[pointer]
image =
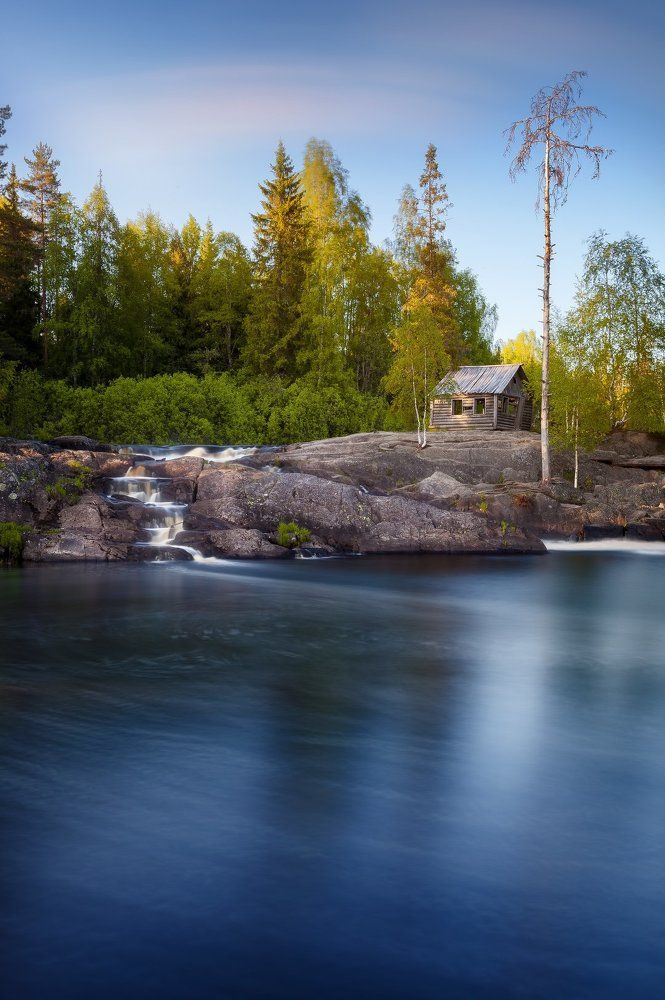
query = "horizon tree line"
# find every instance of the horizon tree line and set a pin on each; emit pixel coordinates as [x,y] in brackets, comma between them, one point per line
[87,299]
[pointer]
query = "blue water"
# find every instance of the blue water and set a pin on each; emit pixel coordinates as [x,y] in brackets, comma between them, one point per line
[388,777]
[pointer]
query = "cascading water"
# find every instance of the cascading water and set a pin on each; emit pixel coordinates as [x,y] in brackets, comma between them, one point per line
[166,517]
[210,453]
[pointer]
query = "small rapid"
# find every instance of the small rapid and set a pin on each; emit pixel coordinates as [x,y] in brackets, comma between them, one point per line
[209,453]
[166,517]
[626,546]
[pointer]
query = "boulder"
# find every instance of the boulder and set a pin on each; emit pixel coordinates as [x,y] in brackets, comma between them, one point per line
[79,442]
[172,468]
[245,543]
[67,546]
[178,490]
[597,532]
[651,530]
[347,518]
[156,553]
[644,462]
[386,461]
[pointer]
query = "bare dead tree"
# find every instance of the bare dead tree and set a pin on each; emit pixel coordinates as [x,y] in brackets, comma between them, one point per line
[560,127]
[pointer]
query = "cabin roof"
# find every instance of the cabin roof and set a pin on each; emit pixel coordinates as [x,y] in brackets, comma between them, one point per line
[478,379]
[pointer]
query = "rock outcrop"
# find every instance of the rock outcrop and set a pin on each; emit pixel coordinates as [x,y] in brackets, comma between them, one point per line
[467,492]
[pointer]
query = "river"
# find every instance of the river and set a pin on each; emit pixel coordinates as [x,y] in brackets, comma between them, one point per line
[418,777]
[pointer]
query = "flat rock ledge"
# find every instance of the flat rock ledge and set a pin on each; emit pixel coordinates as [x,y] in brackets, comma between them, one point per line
[469,492]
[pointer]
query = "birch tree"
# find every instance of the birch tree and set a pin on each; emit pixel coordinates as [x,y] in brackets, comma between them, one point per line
[580,412]
[420,360]
[558,129]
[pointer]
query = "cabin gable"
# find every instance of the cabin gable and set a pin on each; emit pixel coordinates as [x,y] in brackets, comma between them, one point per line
[489,397]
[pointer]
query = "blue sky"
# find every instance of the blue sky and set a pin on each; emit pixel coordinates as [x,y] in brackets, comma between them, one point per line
[181,106]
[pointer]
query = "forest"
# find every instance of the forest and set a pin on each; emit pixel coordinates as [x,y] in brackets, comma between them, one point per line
[140,331]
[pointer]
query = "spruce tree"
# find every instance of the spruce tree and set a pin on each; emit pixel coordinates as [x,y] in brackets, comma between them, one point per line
[434,285]
[101,350]
[18,253]
[5,115]
[282,253]
[41,192]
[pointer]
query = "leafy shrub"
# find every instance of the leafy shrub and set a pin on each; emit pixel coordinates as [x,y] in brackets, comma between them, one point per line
[12,539]
[71,486]
[183,409]
[290,535]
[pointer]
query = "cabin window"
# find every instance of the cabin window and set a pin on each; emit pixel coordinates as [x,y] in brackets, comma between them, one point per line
[479,406]
[457,407]
[513,403]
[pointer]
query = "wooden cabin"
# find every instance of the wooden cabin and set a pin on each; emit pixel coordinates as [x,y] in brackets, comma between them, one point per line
[483,397]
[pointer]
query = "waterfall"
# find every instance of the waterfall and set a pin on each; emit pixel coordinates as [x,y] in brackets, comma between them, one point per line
[210,453]
[166,518]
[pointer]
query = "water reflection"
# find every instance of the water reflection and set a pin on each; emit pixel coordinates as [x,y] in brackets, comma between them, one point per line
[384,778]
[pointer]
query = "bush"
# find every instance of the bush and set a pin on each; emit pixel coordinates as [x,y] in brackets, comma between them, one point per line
[71,487]
[12,538]
[185,409]
[290,536]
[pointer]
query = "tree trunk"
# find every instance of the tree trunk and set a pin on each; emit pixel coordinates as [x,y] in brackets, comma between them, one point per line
[424,442]
[415,402]
[577,451]
[547,257]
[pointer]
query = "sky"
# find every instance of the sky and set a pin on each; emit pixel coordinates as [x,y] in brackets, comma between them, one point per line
[181,106]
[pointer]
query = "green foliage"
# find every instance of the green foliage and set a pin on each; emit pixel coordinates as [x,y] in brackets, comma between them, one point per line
[12,539]
[71,486]
[290,536]
[525,350]
[619,318]
[282,253]
[177,408]
[420,361]
[19,257]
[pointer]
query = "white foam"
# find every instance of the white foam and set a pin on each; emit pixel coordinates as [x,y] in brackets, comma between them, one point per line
[624,545]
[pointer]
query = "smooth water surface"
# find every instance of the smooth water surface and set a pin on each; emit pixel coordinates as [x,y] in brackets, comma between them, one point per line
[388,777]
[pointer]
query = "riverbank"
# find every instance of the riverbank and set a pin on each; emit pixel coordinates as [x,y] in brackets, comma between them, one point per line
[74,499]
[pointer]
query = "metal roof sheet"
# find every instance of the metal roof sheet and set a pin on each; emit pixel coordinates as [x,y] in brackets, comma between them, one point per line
[477,379]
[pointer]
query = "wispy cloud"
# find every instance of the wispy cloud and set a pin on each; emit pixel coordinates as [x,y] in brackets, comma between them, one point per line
[203,106]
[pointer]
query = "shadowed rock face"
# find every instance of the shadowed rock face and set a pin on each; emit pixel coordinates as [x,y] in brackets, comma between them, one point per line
[345,517]
[468,492]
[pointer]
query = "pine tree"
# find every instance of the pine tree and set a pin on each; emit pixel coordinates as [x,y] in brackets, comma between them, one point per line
[41,190]
[425,255]
[183,262]
[102,352]
[18,254]
[143,298]
[432,222]
[5,115]
[282,253]
[60,273]
[221,289]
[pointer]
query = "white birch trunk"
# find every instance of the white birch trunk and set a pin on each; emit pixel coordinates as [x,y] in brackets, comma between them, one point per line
[547,256]
[415,402]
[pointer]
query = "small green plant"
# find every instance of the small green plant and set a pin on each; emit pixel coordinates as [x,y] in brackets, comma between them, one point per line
[501,480]
[290,535]
[482,506]
[569,475]
[588,483]
[70,487]
[12,539]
